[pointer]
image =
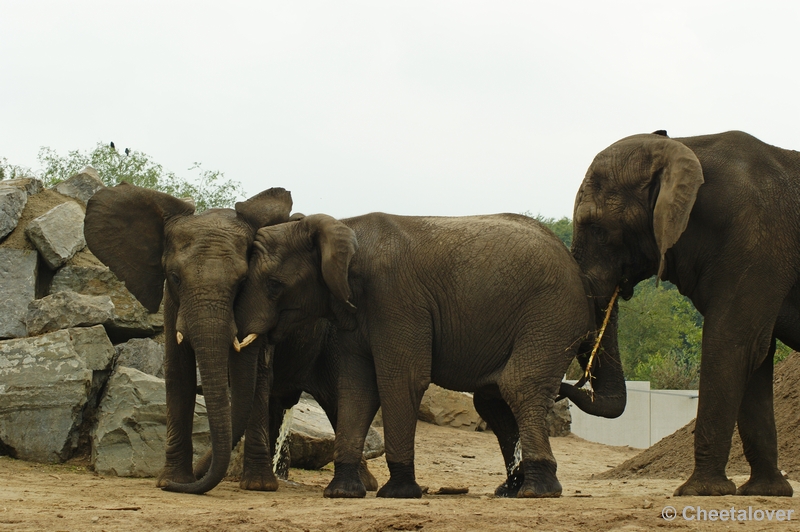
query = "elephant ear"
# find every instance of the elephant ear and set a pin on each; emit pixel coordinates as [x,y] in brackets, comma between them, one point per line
[679,177]
[124,228]
[269,207]
[337,244]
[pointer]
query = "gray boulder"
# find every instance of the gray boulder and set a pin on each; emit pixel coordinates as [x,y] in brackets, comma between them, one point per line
[143,354]
[93,346]
[131,431]
[82,185]
[29,185]
[44,388]
[373,445]
[311,437]
[58,233]
[18,270]
[559,420]
[455,409]
[12,203]
[67,309]
[448,409]
[85,274]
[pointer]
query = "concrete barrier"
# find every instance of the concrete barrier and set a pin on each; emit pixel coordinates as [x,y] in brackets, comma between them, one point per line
[649,416]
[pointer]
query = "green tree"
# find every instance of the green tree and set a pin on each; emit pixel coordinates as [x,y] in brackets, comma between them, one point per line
[562,227]
[208,188]
[660,337]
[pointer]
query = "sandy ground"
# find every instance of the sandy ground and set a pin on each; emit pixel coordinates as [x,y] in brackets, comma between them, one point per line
[64,497]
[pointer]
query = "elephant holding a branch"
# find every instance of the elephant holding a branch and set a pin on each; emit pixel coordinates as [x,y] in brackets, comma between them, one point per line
[716,215]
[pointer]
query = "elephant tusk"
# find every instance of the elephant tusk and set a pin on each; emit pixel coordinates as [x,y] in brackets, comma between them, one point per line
[236,345]
[179,337]
[249,339]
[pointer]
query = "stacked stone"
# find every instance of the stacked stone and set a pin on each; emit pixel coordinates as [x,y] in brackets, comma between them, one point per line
[65,389]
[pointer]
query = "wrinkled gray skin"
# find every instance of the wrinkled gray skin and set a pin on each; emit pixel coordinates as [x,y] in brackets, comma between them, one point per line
[489,304]
[717,215]
[146,238]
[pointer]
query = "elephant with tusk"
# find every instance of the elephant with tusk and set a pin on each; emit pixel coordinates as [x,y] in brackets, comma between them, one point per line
[160,248]
[490,304]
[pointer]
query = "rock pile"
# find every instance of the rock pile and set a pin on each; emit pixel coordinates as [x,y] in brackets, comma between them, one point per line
[65,391]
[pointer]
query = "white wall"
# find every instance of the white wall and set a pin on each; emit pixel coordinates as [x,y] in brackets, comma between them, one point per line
[649,416]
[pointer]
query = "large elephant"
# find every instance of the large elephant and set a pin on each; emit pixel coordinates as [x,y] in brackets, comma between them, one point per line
[146,238]
[489,304]
[717,215]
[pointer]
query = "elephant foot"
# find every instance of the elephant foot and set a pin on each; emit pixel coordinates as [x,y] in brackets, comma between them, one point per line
[395,489]
[698,486]
[346,483]
[258,479]
[366,476]
[540,480]
[768,486]
[510,488]
[402,482]
[175,475]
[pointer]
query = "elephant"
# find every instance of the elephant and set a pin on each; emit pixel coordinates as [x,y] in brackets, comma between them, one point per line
[152,240]
[490,304]
[716,215]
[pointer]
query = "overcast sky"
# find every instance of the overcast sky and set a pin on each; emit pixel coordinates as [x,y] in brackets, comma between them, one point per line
[446,108]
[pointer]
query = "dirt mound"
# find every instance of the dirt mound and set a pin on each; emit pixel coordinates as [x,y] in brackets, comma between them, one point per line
[37,205]
[673,456]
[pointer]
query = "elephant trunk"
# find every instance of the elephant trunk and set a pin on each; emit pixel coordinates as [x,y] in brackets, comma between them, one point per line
[243,372]
[608,394]
[212,348]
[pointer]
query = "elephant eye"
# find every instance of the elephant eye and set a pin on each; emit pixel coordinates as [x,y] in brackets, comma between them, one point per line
[274,287]
[175,278]
[598,233]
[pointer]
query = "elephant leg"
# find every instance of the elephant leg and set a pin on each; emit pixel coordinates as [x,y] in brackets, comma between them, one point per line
[330,408]
[501,420]
[530,396]
[403,369]
[357,404]
[257,472]
[759,436]
[180,378]
[731,354]
[178,374]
